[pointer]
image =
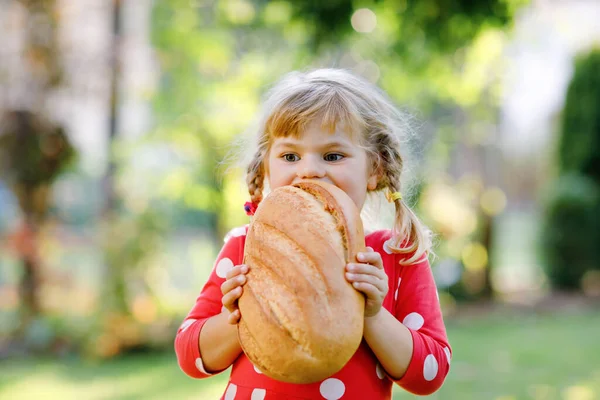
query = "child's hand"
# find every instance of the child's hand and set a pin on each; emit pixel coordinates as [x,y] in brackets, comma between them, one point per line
[232,290]
[370,278]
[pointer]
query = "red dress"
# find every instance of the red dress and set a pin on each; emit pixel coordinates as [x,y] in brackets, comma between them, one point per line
[412,299]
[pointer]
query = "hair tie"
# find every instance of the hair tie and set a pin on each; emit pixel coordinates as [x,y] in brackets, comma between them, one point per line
[250,207]
[393,196]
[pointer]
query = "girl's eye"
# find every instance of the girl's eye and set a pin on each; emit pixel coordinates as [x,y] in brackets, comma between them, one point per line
[333,157]
[290,157]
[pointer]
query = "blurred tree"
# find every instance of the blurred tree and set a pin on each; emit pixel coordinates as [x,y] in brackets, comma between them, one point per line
[571,230]
[115,285]
[579,141]
[110,200]
[33,152]
[33,149]
[130,234]
[423,26]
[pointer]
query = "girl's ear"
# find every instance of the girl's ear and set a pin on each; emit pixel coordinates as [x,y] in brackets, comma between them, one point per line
[375,174]
[373,179]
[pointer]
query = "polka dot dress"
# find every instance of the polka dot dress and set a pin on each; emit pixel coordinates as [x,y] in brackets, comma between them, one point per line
[412,299]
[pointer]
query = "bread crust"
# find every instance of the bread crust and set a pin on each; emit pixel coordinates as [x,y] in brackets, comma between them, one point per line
[301,320]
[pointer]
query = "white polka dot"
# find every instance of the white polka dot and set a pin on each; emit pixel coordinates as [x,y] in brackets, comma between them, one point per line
[223,267]
[397,289]
[379,371]
[386,246]
[231,391]
[258,394]
[430,368]
[258,371]
[235,232]
[332,389]
[186,324]
[200,366]
[413,321]
[448,355]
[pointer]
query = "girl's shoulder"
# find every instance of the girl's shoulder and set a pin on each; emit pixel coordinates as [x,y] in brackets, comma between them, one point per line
[381,240]
[237,232]
[377,238]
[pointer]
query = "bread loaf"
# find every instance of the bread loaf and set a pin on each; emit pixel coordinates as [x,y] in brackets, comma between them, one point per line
[301,320]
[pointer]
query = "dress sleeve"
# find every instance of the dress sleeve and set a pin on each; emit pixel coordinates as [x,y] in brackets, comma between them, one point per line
[418,308]
[208,304]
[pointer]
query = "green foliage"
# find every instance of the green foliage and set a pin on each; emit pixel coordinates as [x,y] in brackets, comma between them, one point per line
[571,231]
[33,152]
[579,146]
[572,221]
[434,25]
[129,242]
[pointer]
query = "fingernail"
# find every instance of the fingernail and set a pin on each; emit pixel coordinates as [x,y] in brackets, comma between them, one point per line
[349,275]
[241,278]
[244,268]
[360,256]
[351,267]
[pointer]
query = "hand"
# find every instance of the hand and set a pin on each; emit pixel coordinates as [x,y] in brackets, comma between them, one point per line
[232,290]
[370,278]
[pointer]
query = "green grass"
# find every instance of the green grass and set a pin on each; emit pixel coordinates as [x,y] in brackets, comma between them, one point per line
[498,357]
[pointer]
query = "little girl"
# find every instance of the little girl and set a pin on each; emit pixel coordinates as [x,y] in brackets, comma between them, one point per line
[333,126]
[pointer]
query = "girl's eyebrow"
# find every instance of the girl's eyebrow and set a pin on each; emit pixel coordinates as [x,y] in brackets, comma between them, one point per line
[287,143]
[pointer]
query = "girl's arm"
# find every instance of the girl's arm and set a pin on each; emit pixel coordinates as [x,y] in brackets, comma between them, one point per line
[219,344]
[410,342]
[390,341]
[206,343]
[386,336]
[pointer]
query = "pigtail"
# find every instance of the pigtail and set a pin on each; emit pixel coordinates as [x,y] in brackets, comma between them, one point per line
[410,236]
[255,179]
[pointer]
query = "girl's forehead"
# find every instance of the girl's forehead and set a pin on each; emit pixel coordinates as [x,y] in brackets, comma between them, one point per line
[319,129]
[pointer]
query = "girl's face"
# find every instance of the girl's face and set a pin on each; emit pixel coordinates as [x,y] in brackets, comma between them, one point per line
[331,157]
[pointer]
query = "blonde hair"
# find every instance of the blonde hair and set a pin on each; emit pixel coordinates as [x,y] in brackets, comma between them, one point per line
[338,96]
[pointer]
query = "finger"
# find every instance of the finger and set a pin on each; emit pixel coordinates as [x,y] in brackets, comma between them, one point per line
[368,269]
[372,258]
[238,269]
[232,283]
[369,290]
[376,281]
[230,298]
[367,278]
[234,317]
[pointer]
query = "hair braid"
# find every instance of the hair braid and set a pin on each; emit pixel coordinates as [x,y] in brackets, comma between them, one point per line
[255,177]
[410,235]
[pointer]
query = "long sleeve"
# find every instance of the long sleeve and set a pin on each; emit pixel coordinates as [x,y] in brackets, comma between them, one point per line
[208,304]
[417,307]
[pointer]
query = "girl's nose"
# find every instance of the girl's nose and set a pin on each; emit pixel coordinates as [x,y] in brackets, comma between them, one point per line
[311,167]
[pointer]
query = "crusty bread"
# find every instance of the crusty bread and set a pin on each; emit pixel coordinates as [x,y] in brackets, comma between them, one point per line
[301,320]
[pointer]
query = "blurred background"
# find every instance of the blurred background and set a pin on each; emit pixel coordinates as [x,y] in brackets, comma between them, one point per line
[116,118]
